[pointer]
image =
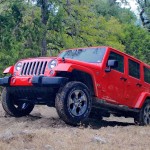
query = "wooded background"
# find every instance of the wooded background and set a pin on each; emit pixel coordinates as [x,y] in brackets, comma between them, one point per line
[33,28]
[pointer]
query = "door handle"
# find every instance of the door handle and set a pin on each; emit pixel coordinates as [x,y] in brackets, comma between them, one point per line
[123,78]
[138,84]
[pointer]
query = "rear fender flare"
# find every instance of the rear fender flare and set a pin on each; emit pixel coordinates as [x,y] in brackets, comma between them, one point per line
[142,99]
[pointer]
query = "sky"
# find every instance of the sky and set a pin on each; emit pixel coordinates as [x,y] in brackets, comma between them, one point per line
[134,6]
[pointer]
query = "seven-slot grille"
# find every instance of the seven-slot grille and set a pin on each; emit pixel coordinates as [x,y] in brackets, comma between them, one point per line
[34,68]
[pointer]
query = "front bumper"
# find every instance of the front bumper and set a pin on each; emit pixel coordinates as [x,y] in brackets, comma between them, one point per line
[49,81]
[5,81]
[37,89]
[33,81]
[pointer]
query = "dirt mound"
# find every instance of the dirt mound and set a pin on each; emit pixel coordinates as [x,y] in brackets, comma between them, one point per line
[44,130]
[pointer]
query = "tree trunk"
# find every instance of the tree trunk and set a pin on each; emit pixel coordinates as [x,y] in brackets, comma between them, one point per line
[44,44]
[145,18]
[68,4]
[44,19]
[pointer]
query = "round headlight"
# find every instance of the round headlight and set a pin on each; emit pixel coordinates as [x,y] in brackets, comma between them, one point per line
[52,64]
[18,66]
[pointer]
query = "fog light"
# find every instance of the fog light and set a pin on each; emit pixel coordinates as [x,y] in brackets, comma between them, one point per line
[51,72]
[14,74]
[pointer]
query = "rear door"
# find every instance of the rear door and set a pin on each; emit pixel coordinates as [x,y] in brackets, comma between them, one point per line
[146,79]
[134,85]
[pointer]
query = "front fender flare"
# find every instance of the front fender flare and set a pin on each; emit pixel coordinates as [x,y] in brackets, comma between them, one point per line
[67,67]
[9,70]
[64,67]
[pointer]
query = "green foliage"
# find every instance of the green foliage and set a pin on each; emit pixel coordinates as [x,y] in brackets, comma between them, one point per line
[109,8]
[20,33]
[79,29]
[137,42]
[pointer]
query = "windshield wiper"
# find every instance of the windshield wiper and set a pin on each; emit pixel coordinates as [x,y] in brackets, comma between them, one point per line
[63,59]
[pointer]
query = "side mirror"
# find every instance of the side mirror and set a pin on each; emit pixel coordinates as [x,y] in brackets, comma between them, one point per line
[111,64]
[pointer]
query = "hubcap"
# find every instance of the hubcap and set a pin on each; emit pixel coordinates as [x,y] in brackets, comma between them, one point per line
[146,114]
[77,102]
[21,106]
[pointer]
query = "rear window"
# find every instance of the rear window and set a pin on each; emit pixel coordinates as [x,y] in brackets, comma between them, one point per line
[134,69]
[146,74]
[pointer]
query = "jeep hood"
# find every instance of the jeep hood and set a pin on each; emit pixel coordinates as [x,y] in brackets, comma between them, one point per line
[63,65]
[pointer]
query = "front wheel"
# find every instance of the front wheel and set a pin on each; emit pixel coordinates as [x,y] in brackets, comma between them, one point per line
[73,102]
[13,107]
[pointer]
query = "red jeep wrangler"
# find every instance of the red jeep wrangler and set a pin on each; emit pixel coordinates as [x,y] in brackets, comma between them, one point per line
[95,81]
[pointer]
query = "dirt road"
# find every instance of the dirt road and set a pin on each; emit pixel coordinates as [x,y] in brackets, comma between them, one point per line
[43,130]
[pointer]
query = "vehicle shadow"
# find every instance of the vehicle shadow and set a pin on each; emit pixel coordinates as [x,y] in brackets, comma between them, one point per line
[88,123]
[97,124]
[55,122]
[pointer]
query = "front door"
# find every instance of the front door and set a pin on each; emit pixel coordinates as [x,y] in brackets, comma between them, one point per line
[113,82]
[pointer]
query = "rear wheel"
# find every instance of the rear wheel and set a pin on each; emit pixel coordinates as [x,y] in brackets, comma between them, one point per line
[73,102]
[13,107]
[143,117]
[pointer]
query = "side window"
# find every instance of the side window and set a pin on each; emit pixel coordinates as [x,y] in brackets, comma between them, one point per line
[146,75]
[134,69]
[119,58]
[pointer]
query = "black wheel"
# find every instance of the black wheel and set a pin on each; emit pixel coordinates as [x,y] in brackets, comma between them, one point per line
[73,103]
[13,107]
[143,118]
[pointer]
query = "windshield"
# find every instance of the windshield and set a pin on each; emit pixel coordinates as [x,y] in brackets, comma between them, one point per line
[91,55]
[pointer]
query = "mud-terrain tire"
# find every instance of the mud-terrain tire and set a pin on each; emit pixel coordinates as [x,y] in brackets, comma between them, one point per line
[143,118]
[73,103]
[15,108]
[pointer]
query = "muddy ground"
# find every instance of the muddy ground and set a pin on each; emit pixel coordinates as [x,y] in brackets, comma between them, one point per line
[43,130]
